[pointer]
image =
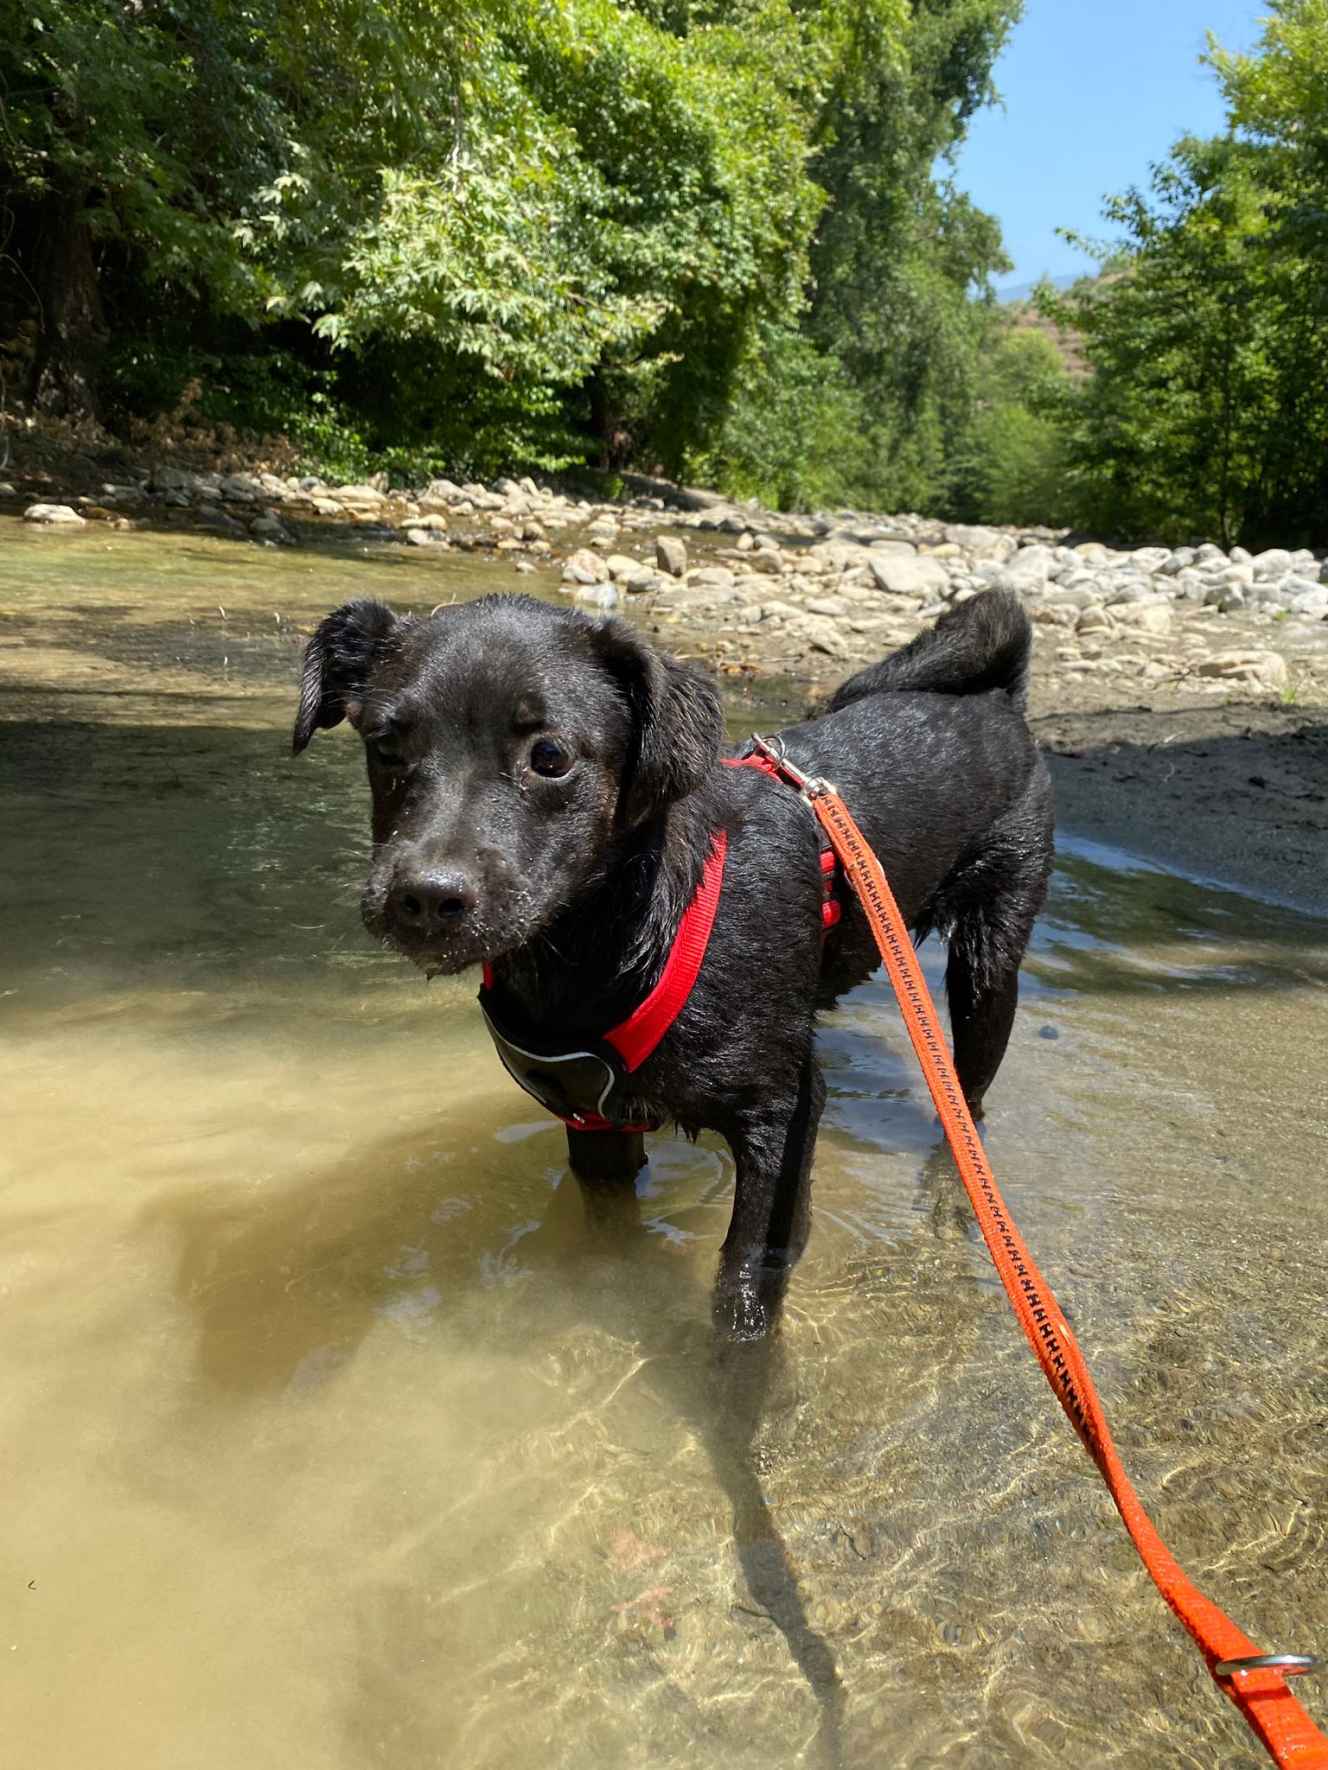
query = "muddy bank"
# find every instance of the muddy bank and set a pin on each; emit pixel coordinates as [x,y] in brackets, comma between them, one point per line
[1236,792]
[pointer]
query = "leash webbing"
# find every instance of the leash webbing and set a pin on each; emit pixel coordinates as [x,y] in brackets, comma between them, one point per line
[1261,1695]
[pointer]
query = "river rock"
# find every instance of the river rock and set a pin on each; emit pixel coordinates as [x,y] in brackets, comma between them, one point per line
[907,575]
[271,528]
[822,635]
[711,577]
[621,566]
[671,555]
[601,596]
[1028,569]
[240,488]
[365,496]
[1146,617]
[169,479]
[982,543]
[1275,562]
[1262,669]
[584,567]
[53,514]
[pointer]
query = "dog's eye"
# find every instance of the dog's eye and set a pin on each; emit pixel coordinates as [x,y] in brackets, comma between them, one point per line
[549,758]
[384,752]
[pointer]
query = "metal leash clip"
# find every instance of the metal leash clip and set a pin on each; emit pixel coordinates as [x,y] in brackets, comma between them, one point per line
[1291,1665]
[811,786]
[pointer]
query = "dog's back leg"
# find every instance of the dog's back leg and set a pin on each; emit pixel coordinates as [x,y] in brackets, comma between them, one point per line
[990,910]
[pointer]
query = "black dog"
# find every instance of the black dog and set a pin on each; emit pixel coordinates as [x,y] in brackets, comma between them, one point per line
[548,801]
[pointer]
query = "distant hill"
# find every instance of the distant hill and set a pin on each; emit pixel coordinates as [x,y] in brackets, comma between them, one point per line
[1024,316]
[1024,291]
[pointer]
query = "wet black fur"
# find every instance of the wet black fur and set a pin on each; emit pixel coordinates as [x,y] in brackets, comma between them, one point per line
[573,889]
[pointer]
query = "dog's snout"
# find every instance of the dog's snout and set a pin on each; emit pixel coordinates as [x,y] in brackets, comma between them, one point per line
[429,903]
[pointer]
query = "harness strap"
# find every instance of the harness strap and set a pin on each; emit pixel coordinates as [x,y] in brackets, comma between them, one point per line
[636,1037]
[531,1057]
[831,908]
[1260,1693]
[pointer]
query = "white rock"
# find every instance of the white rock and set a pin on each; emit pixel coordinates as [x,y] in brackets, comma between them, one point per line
[711,577]
[1093,620]
[1148,617]
[671,555]
[603,596]
[584,567]
[1275,562]
[1029,568]
[907,575]
[1150,559]
[51,514]
[1262,669]
[622,565]
[982,543]
[822,635]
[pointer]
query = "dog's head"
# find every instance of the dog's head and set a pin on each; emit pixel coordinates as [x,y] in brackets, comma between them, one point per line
[510,747]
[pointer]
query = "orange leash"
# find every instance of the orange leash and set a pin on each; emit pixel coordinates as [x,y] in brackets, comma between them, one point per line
[1260,1691]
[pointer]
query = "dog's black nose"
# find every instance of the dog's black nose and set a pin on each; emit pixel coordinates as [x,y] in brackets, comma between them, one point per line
[431,903]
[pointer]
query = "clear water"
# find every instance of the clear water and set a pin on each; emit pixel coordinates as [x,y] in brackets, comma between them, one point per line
[335,1434]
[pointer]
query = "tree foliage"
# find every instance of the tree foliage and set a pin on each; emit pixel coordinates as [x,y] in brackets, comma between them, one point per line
[1207,412]
[514,229]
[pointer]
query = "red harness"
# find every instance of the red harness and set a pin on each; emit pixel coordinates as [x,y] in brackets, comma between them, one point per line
[579,1077]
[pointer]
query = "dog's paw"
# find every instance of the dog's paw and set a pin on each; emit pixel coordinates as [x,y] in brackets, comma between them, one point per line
[741,1313]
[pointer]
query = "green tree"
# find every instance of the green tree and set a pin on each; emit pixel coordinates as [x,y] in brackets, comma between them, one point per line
[1207,409]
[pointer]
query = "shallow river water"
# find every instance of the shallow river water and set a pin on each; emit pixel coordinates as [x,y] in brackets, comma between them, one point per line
[335,1435]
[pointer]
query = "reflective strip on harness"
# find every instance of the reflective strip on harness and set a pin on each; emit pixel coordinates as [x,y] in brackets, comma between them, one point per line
[573,1081]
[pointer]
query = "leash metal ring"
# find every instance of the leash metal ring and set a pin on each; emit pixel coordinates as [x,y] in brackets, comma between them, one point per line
[1291,1665]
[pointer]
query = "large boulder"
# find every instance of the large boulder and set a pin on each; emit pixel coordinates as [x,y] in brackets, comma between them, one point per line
[51,515]
[1029,568]
[982,543]
[671,555]
[912,575]
[584,567]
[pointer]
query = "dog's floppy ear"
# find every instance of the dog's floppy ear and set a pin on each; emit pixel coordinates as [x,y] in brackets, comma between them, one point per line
[677,722]
[337,663]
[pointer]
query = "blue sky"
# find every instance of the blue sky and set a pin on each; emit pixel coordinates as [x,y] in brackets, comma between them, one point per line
[1095,91]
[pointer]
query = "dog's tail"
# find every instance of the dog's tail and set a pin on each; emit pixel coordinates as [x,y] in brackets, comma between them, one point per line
[980,645]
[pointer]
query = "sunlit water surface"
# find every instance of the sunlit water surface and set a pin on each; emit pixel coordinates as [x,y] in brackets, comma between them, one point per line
[335,1435]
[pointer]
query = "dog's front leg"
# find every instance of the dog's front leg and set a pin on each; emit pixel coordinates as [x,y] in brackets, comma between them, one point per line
[772,1153]
[606,1164]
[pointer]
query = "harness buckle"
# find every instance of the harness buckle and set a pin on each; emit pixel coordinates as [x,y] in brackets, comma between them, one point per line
[811,786]
[1291,1665]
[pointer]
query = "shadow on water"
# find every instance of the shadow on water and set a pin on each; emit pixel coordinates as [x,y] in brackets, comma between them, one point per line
[284,1295]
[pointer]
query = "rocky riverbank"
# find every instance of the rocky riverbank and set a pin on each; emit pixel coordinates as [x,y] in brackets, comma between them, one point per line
[1181,692]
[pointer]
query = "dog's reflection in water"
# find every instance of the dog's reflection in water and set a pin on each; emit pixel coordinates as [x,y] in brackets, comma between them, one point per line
[726,1407]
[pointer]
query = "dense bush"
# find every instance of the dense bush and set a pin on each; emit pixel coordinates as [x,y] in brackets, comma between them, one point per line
[502,231]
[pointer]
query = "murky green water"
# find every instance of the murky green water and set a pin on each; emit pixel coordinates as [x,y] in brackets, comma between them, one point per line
[336,1436]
